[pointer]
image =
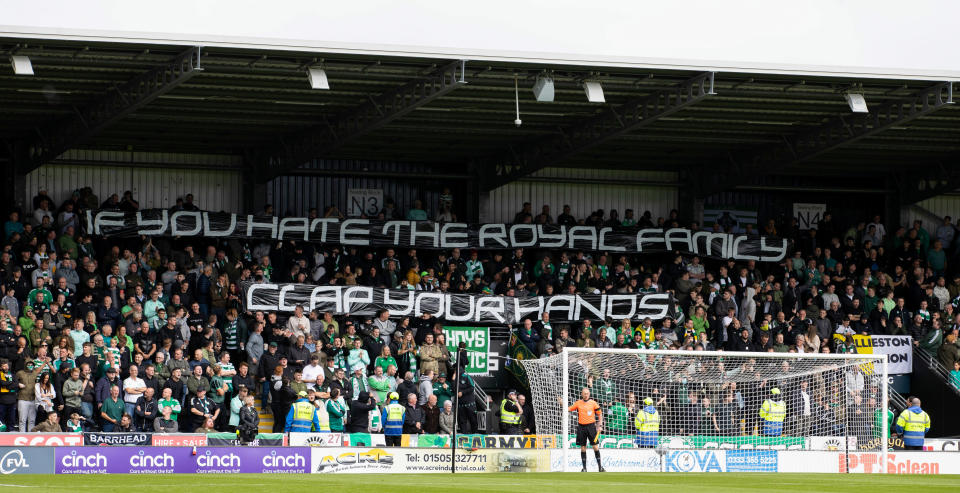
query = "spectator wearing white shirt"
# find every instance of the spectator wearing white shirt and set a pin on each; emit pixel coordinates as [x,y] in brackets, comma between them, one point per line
[298,323]
[133,388]
[311,371]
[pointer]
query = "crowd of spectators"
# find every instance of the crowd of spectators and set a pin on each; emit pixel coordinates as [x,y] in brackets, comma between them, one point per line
[151,334]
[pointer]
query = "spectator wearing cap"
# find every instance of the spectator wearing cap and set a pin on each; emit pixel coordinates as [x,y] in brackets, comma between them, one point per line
[510,414]
[202,409]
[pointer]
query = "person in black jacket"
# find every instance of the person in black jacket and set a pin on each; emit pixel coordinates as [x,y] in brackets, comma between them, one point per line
[146,411]
[407,386]
[269,361]
[8,394]
[467,403]
[414,417]
[360,413]
[243,378]
[249,421]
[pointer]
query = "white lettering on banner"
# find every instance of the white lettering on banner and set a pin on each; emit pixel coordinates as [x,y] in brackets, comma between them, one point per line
[347,229]
[276,461]
[603,242]
[493,232]
[194,216]
[209,231]
[516,242]
[424,297]
[678,235]
[253,224]
[447,237]
[461,318]
[432,234]
[395,226]
[41,439]
[406,305]
[492,305]
[424,234]
[141,459]
[736,248]
[252,293]
[586,234]
[281,303]
[86,461]
[362,300]
[324,222]
[109,218]
[227,460]
[294,225]
[159,225]
[548,240]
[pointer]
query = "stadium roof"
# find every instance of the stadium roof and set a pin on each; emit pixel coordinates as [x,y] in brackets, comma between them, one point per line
[258,103]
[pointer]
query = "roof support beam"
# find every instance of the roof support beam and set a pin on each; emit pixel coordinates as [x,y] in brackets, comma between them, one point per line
[610,124]
[119,102]
[378,111]
[836,132]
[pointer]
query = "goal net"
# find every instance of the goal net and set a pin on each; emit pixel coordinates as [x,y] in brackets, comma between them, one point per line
[710,399]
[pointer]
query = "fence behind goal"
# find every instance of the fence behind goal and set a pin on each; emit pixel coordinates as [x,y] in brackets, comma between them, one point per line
[717,399]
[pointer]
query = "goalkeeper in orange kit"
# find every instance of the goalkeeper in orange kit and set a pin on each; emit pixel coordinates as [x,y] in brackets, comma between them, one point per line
[589,423]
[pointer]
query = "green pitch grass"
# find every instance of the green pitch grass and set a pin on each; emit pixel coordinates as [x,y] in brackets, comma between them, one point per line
[481,483]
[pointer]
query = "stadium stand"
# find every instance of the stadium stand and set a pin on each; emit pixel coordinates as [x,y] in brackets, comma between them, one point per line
[117,329]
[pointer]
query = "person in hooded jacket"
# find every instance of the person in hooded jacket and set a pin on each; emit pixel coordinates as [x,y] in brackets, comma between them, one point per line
[360,413]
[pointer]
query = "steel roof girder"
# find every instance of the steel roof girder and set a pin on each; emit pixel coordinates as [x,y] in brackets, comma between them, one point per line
[368,116]
[610,124]
[119,102]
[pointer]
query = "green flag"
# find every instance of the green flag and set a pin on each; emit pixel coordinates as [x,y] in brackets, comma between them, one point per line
[516,352]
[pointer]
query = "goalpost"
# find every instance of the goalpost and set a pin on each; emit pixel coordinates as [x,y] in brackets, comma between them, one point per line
[715,399]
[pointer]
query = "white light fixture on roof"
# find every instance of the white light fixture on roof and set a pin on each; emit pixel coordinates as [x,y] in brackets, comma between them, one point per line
[594,91]
[318,78]
[21,65]
[543,89]
[857,103]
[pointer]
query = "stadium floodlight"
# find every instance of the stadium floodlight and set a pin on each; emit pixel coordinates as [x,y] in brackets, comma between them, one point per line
[714,399]
[594,91]
[21,65]
[857,103]
[543,89]
[318,78]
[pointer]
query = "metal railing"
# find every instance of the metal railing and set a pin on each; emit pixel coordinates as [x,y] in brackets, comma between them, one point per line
[942,373]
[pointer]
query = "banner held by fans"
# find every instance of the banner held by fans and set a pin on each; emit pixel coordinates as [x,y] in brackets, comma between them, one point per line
[477,340]
[363,301]
[429,235]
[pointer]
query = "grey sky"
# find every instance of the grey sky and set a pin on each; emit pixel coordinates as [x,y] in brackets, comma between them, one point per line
[899,38]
